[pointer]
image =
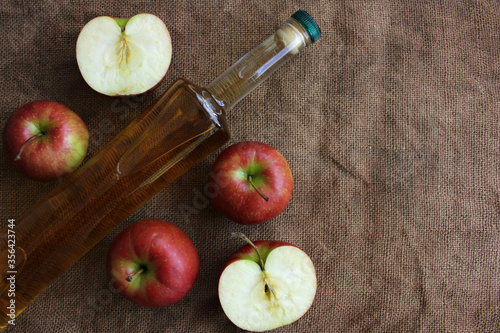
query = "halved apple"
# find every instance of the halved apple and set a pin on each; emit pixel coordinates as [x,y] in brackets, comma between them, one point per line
[120,57]
[267,284]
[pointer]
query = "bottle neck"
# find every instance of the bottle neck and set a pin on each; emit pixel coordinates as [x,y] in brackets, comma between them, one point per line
[256,66]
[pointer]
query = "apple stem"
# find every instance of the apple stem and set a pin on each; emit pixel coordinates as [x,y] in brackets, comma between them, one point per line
[131,277]
[246,239]
[18,156]
[250,179]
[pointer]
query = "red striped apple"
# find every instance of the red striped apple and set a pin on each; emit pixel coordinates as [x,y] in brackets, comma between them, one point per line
[45,140]
[121,56]
[153,263]
[267,284]
[254,182]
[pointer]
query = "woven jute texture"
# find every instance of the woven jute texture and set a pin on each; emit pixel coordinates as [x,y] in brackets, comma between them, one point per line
[389,123]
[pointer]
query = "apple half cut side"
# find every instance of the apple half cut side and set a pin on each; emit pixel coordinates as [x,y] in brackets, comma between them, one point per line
[119,57]
[257,299]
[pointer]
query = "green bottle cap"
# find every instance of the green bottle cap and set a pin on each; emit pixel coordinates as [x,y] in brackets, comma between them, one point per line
[309,24]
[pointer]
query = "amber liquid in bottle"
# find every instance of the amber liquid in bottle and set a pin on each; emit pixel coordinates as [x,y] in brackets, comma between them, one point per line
[111,186]
[180,129]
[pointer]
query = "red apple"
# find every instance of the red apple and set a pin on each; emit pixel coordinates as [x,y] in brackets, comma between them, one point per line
[267,284]
[45,140]
[153,263]
[254,182]
[124,56]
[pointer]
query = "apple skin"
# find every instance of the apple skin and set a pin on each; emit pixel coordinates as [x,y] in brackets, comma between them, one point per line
[58,150]
[247,252]
[168,255]
[237,199]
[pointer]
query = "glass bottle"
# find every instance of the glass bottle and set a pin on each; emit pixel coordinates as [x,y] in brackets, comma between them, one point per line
[181,128]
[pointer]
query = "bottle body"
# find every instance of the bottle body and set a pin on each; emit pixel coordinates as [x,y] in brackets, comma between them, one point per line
[178,131]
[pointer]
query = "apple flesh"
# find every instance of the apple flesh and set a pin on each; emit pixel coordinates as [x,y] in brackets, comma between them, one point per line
[45,140]
[260,292]
[118,57]
[254,182]
[153,263]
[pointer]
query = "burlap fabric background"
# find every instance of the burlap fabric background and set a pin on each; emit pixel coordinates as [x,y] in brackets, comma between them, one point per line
[390,125]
